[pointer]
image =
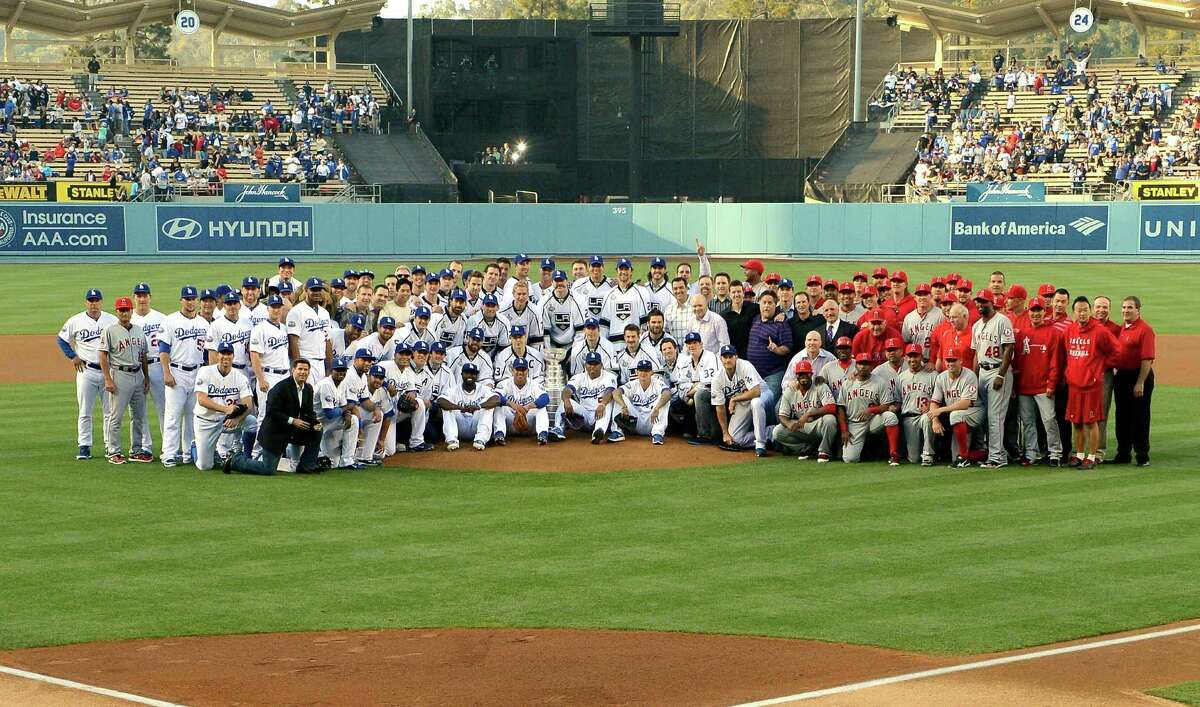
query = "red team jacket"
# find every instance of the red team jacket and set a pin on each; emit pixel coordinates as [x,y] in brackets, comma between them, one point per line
[1088,349]
[866,341]
[1038,359]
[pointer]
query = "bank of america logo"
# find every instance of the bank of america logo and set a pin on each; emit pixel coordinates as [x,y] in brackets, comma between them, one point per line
[1087,225]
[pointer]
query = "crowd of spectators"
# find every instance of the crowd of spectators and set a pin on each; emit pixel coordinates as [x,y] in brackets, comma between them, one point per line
[505,154]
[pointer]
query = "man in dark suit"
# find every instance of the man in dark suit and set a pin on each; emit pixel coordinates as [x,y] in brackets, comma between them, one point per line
[833,327]
[288,417]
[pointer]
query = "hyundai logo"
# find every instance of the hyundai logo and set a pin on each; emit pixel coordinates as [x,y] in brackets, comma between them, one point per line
[181,229]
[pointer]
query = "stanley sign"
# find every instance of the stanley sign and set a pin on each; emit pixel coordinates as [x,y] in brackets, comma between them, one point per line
[1166,190]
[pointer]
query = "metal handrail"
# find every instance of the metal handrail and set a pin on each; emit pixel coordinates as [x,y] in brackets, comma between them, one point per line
[890,113]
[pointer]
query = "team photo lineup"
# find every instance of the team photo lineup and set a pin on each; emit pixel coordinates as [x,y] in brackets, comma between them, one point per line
[344,370]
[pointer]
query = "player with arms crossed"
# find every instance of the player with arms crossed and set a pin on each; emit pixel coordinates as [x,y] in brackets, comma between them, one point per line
[123,360]
[468,409]
[587,399]
[643,402]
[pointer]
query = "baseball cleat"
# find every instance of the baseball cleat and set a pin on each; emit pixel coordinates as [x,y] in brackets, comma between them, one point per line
[597,436]
[1074,462]
[656,439]
[422,447]
[1026,461]
[802,457]
[616,436]
[991,465]
[729,447]
[961,463]
[1055,462]
[761,452]
[479,446]
[542,438]
[557,433]
[85,452]
[1087,465]
[822,458]
[894,460]
[698,441]
[169,462]
[355,466]
[142,457]
[187,459]
[500,440]
[227,466]
[452,445]
[1118,460]
[926,461]
[1143,463]
[116,458]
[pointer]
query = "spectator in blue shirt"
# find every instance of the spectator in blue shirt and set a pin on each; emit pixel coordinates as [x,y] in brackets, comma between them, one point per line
[769,349]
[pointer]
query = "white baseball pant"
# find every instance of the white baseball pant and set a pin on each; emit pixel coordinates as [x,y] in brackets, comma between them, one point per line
[89,385]
[585,415]
[859,431]
[1032,408]
[995,403]
[538,419]
[370,436]
[972,416]
[338,442]
[316,371]
[159,395]
[748,426]
[648,425]
[180,400]
[418,417]
[130,387]
[210,432]
[477,424]
[227,443]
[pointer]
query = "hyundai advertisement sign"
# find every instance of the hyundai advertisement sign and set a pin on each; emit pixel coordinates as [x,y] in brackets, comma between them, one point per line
[1049,228]
[234,229]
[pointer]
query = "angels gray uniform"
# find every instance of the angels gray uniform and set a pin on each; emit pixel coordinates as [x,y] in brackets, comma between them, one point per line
[626,361]
[856,397]
[748,425]
[913,392]
[853,315]
[622,307]
[793,405]
[530,318]
[126,349]
[988,338]
[591,294]
[451,331]
[947,391]
[562,320]
[918,329]
[504,359]
[495,332]
[835,376]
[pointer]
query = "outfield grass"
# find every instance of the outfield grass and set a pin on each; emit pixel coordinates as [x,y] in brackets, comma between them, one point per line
[43,296]
[918,559]
[1187,693]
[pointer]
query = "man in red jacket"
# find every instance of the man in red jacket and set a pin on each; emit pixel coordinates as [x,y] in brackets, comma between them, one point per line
[1038,361]
[873,338]
[1101,312]
[1088,347]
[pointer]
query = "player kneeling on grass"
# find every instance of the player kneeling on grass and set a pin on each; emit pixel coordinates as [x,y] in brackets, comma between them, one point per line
[867,406]
[339,424]
[807,416]
[404,387]
[956,402]
[522,406]
[643,402]
[587,400]
[378,404]
[468,409]
[737,399]
[913,387]
[223,401]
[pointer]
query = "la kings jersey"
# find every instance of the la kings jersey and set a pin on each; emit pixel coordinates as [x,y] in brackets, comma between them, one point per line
[582,348]
[451,331]
[530,318]
[495,332]
[622,307]
[591,295]
[659,297]
[481,360]
[726,385]
[913,391]
[626,362]
[561,320]
[504,359]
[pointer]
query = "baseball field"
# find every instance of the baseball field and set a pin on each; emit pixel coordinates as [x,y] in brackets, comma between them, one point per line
[580,575]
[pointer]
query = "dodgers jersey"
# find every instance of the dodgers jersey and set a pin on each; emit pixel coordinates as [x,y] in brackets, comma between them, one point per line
[270,342]
[311,325]
[328,397]
[482,393]
[643,400]
[254,315]
[151,324]
[233,332]
[85,332]
[229,389]
[726,385]
[586,389]
[532,394]
[688,372]
[183,338]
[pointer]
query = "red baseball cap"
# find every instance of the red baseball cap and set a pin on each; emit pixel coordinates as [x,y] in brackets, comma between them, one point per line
[914,349]
[892,343]
[1036,303]
[870,291]
[831,284]
[847,286]
[949,298]
[1000,301]
[1017,292]
[814,279]
[953,277]
[773,277]
[922,289]
[965,284]
[900,275]
[952,355]
[843,341]
[881,272]
[803,367]
[985,295]
[938,281]
[123,303]
[877,315]
[755,265]
[863,357]
[1046,290]
[860,276]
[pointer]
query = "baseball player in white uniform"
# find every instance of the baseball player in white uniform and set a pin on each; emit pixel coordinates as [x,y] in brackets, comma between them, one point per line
[591,342]
[382,343]
[339,424]
[79,340]
[269,347]
[658,289]
[993,339]
[451,328]
[913,389]
[126,380]
[150,320]
[493,326]
[955,395]
[522,395]
[519,349]
[223,402]
[404,382]
[468,409]
[643,402]
[308,330]
[807,415]
[625,303]
[181,354]
[587,400]
[867,406]
[254,310]
[377,402]
[692,378]
[232,328]
[737,400]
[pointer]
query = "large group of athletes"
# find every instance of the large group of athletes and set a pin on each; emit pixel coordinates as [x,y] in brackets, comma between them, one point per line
[848,370]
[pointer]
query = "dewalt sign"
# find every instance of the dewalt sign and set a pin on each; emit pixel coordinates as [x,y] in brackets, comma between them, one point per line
[38,191]
[1165,190]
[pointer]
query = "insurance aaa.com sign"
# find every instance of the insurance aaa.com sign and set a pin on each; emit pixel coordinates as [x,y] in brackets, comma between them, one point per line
[1028,228]
[50,230]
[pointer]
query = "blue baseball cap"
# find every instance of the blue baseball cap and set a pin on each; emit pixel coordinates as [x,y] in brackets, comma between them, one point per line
[432,277]
[787,282]
[437,347]
[728,350]
[93,294]
[357,321]
[558,276]
[520,364]
[491,299]
[224,347]
[185,292]
[468,273]
[692,336]
[422,311]
[364,354]
[421,346]
[367,273]
[476,333]
[286,288]
[596,260]
[547,263]
[337,283]
[250,282]
[340,363]
[274,301]
[377,371]
[418,268]
[142,288]
[386,321]
[231,297]
[591,322]
[645,365]
[470,368]
[516,330]
[222,290]
[592,357]
[350,273]
[624,263]
[314,283]
[286,261]
[446,272]
[403,349]
[657,262]
[459,293]
[207,294]
[521,258]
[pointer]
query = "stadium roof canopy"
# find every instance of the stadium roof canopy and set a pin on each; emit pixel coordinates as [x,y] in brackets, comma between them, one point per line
[1012,18]
[72,18]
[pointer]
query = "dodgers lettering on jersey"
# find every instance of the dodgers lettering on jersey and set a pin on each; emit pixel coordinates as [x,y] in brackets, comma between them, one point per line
[85,332]
[643,399]
[914,390]
[627,361]
[532,394]
[857,396]
[380,349]
[328,396]
[256,314]
[725,385]
[988,337]
[354,386]
[151,324]
[311,325]
[231,332]
[228,389]
[183,339]
[270,342]
[586,389]
[949,391]
[482,393]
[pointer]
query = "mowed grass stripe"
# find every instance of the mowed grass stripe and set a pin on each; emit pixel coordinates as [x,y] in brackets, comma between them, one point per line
[59,294]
